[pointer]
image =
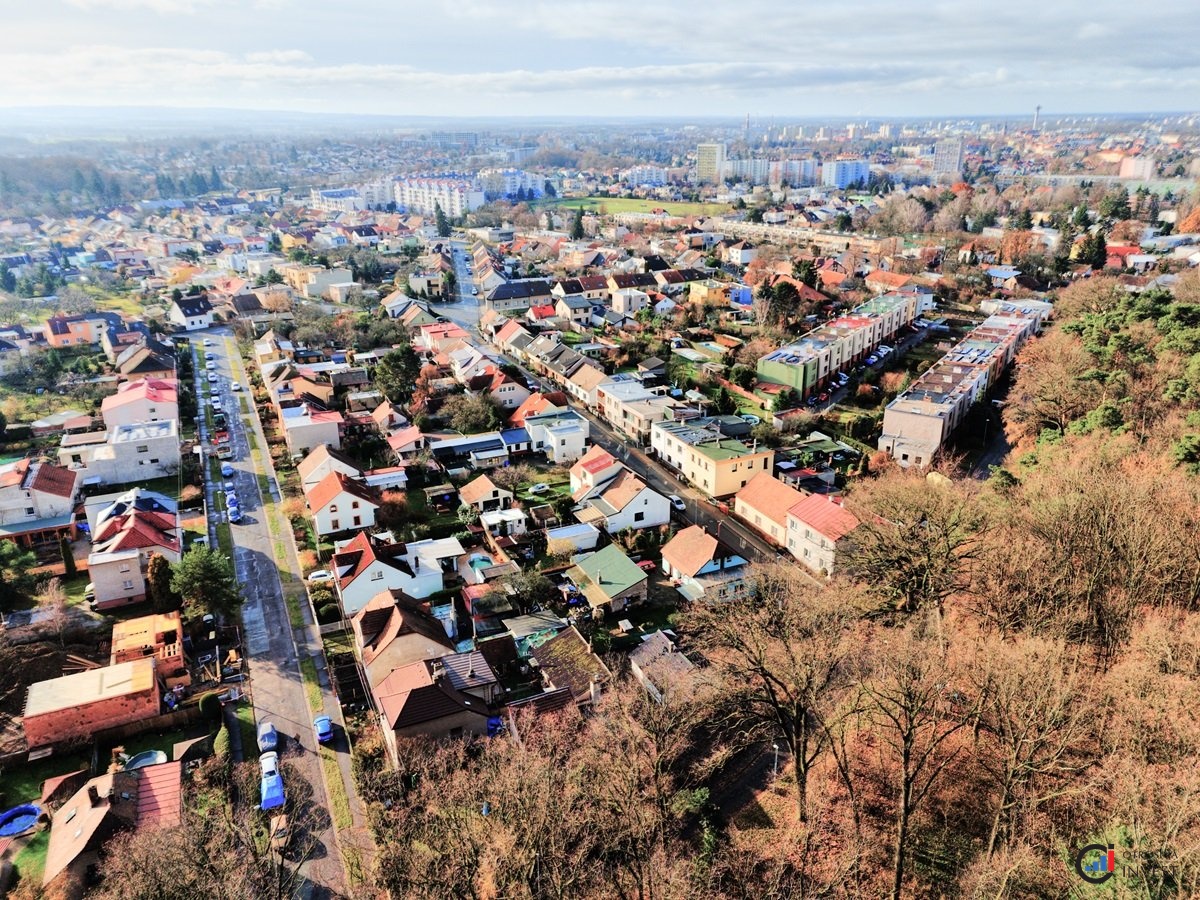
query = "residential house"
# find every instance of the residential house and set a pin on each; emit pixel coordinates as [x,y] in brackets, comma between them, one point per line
[561,434]
[483,494]
[702,567]
[817,526]
[338,504]
[625,502]
[419,700]
[407,442]
[123,454]
[575,308]
[715,464]
[391,630]
[191,313]
[146,359]
[609,579]
[629,301]
[628,405]
[320,462]
[566,662]
[126,531]
[594,469]
[143,400]
[662,668]
[584,385]
[763,504]
[77,706]
[305,427]
[148,797]
[368,564]
[71,331]
[37,501]
[506,392]
[517,295]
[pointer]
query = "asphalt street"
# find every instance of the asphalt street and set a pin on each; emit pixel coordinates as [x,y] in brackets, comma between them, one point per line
[465,312]
[270,646]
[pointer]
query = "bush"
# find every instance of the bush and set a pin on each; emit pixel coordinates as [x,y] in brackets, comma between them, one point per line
[210,706]
[328,614]
[221,747]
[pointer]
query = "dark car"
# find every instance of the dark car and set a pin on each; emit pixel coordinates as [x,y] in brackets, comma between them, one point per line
[268,737]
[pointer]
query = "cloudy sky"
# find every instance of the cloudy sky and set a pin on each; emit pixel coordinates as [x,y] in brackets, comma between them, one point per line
[605,57]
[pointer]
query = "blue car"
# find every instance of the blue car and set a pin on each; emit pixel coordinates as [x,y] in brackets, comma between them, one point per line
[226,470]
[323,726]
[235,514]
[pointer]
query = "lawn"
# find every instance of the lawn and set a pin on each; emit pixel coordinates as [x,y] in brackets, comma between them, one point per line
[615,205]
[74,588]
[245,717]
[168,486]
[31,861]
[22,781]
[162,740]
[312,685]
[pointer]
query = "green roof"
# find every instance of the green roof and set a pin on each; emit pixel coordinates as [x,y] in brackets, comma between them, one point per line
[724,449]
[611,571]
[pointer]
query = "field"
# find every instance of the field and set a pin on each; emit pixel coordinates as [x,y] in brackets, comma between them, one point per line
[622,205]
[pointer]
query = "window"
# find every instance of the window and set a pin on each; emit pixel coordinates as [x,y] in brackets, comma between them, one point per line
[127,584]
[333,508]
[357,520]
[639,516]
[143,448]
[124,568]
[377,576]
[29,510]
[153,462]
[335,526]
[354,504]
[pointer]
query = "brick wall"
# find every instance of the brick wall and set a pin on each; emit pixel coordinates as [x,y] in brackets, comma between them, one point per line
[85,720]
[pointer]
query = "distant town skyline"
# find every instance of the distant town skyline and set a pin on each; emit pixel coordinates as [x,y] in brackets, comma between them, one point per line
[863,58]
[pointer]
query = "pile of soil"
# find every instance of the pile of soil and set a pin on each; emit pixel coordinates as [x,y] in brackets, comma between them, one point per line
[22,665]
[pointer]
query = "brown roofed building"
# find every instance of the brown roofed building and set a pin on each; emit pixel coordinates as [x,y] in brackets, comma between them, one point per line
[394,630]
[419,700]
[567,661]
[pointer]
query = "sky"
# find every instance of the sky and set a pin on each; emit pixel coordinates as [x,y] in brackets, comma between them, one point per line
[765,58]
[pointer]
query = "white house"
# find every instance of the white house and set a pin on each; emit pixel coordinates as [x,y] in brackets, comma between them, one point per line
[816,527]
[126,531]
[368,564]
[144,400]
[305,428]
[191,313]
[702,566]
[320,462]
[124,454]
[561,435]
[626,502]
[339,504]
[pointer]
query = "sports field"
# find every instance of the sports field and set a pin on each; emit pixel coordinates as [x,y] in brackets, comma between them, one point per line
[623,205]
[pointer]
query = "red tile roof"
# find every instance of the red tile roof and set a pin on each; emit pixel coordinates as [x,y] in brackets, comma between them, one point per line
[160,794]
[825,514]
[325,490]
[52,479]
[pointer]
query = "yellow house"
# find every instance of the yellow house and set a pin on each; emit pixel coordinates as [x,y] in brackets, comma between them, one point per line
[715,464]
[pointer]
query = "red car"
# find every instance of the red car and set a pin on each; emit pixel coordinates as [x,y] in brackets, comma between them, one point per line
[648,565]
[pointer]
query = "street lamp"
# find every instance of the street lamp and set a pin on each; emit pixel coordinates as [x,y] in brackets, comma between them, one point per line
[775,771]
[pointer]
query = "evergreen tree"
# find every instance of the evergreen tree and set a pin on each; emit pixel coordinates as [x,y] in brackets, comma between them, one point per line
[1023,221]
[158,584]
[68,557]
[214,180]
[205,581]
[8,280]
[440,220]
[577,225]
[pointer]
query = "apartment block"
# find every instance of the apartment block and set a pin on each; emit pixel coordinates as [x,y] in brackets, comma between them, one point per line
[807,364]
[920,420]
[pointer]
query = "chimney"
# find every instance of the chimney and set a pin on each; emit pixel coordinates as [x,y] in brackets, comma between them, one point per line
[437,670]
[471,669]
[93,795]
[594,689]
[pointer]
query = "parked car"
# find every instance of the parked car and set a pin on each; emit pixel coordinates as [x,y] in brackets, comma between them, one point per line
[475,291]
[212,376]
[647,565]
[319,576]
[323,726]
[268,737]
[822,397]
[677,502]
[207,342]
[237,386]
[753,420]
[232,501]
[235,515]
[210,356]
[227,470]
[272,781]
[540,488]
[210,365]
[872,359]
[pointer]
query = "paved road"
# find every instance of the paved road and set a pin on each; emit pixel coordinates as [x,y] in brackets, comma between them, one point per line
[270,646]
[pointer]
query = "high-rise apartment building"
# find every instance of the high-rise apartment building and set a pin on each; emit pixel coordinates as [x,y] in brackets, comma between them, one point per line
[948,158]
[710,163]
[841,173]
